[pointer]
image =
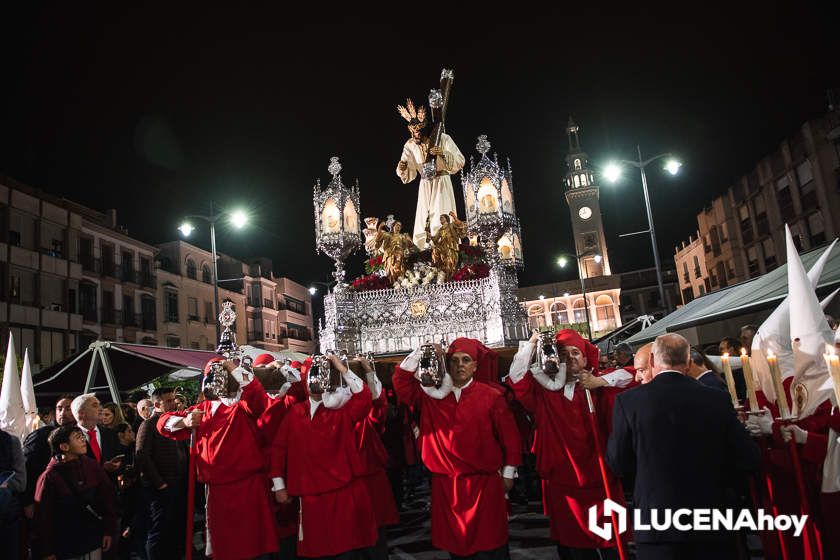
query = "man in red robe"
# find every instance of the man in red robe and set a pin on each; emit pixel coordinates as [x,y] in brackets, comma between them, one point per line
[280,401]
[470,442]
[230,461]
[315,457]
[375,460]
[567,460]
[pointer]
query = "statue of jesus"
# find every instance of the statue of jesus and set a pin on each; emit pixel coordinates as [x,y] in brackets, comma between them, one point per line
[435,197]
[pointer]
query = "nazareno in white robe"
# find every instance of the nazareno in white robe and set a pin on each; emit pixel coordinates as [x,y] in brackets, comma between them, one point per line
[435,197]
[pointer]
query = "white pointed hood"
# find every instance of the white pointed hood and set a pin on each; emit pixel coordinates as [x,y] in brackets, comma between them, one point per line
[12,418]
[809,334]
[27,393]
[774,333]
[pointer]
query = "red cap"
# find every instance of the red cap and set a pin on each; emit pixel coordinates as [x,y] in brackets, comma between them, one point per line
[263,359]
[569,337]
[488,361]
[296,364]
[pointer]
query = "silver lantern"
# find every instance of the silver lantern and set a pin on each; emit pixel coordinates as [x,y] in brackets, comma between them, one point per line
[491,214]
[337,228]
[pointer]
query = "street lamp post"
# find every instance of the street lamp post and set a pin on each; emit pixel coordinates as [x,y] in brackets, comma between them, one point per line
[672,166]
[238,220]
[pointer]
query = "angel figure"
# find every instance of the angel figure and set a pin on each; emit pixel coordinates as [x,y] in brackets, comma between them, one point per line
[395,247]
[445,243]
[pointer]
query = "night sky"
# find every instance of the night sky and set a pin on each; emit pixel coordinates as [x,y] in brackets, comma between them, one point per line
[155,112]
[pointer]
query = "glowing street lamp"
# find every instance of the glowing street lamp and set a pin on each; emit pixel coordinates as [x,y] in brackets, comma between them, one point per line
[186,229]
[313,290]
[238,219]
[612,172]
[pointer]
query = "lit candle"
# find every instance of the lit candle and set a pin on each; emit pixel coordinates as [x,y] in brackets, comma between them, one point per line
[776,375]
[832,360]
[730,380]
[748,379]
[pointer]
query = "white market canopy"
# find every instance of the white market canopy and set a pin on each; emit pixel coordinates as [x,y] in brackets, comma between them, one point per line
[740,302]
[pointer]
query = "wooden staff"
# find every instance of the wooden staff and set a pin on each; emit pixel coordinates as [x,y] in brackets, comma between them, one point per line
[188,551]
[602,465]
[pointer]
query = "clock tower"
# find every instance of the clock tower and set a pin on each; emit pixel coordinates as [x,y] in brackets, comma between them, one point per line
[582,197]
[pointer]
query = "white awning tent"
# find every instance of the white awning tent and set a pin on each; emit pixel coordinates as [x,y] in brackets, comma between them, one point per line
[711,317]
[116,367]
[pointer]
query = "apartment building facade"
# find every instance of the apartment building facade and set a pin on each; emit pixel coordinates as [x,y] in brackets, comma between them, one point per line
[742,231]
[40,273]
[278,310]
[118,290]
[692,274]
[186,316]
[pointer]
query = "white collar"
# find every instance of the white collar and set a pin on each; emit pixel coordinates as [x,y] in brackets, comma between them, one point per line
[704,373]
[457,390]
[313,406]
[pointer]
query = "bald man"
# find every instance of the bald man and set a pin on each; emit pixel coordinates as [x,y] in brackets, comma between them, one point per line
[641,362]
[682,441]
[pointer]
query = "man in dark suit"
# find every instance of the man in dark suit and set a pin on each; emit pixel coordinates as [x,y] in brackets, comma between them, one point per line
[682,441]
[103,444]
[701,370]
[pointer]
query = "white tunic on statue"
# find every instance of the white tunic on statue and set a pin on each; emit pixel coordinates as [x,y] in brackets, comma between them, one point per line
[435,197]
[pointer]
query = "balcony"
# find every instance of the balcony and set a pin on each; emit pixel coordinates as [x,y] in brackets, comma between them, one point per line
[146,322]
[88,263]
[90,315]
[254,302]
[255,335]
[129,318]
[128,275]
[111,317]
[268,303]
[109,269]
[146,279]
[195,318]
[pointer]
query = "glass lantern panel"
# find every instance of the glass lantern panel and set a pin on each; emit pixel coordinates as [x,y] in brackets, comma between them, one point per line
[470,201]
[351,218]
[507,197]
[488,197]
[517,246]
[330,217]
[505,248]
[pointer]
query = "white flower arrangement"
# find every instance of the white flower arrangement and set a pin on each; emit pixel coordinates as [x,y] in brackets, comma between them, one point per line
[421,274]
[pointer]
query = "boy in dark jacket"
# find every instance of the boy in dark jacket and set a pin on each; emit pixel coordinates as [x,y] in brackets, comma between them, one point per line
[74,501]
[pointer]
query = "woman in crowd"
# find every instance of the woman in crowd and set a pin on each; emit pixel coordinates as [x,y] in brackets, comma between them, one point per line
[111,416]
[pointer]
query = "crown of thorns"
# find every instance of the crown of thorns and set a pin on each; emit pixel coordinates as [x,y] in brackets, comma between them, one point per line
[411,114]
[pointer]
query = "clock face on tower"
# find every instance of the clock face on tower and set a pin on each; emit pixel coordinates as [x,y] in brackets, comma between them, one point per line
[585,212]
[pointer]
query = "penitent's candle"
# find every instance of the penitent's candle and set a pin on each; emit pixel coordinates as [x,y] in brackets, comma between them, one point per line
[776,375]
[832,360]
[730,380]
[748,380]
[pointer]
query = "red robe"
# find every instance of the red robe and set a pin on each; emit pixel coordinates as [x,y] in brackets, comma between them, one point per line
[231,463]
[320,463]
[465,444]
[778,468]
[374,460]
[268,423]
[567,461]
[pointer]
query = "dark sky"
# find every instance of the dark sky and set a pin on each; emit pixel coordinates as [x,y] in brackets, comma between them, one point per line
[156,111]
